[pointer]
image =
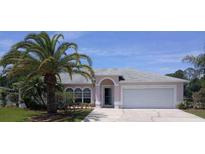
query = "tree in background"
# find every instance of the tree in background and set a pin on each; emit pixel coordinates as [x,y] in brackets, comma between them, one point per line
[198,62]
[178,74]
[195,89]
[191,73]
[195,83]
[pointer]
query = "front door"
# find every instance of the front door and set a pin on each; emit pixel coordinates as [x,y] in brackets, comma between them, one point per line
[108,96]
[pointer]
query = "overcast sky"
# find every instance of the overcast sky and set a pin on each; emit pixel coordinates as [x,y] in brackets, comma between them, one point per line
[159,52]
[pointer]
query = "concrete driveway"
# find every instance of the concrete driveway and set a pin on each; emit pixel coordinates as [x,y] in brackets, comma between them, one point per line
[141,115]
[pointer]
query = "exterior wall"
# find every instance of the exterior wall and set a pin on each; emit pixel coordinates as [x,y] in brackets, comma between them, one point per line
[96,91]
[180,92]
[117,96]
[83,86]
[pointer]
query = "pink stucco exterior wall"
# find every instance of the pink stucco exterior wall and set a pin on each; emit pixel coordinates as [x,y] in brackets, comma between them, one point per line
[96,90]
[113,81]
[180,92]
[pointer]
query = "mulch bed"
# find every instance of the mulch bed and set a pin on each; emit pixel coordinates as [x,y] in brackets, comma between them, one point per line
[68,115]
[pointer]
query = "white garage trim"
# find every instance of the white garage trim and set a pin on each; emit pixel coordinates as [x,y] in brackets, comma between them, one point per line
[174,87]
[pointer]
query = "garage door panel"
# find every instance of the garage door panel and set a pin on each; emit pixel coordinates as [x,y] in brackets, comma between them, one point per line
[148,98]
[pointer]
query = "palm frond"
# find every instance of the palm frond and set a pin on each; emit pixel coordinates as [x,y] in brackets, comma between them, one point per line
[47,41]
[36,39]
[86,58]
[45,62]
[85,74]
[55,40]
[30,47]
[39,54]
[63,48]
[86,68]
[10,58]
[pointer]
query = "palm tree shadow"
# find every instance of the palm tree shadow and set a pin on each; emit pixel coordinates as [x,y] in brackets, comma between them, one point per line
[94,117]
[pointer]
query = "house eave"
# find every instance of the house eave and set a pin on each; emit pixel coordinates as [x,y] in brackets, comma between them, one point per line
[144,82]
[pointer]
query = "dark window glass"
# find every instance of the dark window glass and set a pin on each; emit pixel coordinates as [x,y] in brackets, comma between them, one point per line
[78,95]
[87,95]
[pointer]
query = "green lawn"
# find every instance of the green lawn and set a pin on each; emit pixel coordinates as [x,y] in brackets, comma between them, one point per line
[20,115]
[16,114]
[199,112]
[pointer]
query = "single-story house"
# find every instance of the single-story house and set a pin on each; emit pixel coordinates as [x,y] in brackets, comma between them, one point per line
[126,88]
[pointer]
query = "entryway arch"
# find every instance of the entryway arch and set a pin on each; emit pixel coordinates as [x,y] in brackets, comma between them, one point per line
[107,92]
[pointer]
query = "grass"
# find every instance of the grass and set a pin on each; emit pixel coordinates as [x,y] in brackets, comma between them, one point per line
[197,112]
[16,114]
[21,115]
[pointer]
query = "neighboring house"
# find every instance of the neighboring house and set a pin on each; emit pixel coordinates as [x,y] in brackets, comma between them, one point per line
[126,88]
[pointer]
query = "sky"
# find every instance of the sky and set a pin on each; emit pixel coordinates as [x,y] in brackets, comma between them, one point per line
[159,52]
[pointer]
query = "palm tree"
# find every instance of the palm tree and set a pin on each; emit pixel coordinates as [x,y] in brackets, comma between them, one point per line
[41,55]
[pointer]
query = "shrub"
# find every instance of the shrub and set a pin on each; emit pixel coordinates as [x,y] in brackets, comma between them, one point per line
[64,100]
[199,99]
[13,97]
[3,94]
[186,104]
[34,105]
[181,106]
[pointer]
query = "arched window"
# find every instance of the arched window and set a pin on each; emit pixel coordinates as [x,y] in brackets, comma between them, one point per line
[86,95]
[69,90]
[78,95]
[69,97]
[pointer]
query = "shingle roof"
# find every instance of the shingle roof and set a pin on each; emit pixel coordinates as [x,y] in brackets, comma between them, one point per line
[76,79]
[133,75]
[130,75]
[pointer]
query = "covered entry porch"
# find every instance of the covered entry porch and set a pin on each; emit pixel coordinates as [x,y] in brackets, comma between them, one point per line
[107,93]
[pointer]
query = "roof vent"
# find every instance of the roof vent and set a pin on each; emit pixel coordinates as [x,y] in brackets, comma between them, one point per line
[121,78]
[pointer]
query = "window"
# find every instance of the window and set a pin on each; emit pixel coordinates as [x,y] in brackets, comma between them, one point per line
[69,90]
[87,95]
[78,95]
[69,95]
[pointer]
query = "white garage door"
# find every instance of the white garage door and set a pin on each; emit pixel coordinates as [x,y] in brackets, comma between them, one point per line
[148,98]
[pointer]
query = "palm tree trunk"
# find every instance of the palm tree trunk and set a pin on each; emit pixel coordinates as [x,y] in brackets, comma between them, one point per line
[50,81]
